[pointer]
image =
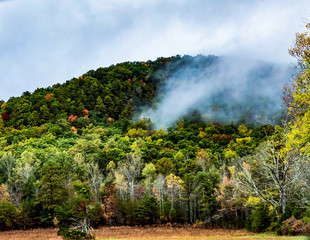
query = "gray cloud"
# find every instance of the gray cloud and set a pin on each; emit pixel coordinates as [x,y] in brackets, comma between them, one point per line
[46,42]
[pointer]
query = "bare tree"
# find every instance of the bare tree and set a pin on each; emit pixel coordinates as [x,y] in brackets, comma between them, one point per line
[95,178]
[7,163]
[159,190]
[131,168]
[268,174]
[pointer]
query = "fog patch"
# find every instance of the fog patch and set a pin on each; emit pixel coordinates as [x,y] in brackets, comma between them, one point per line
[223,89]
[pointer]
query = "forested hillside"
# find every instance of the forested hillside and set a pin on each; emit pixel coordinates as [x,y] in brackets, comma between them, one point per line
[132,88]
[76,155]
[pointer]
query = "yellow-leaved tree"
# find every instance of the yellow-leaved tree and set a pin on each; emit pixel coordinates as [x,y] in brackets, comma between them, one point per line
[297,96]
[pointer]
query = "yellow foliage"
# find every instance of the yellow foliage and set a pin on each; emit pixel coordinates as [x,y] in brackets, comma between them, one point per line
[243,140]
[119,182]
[202,134]
[160,133]
[232,171]
[229,154]
[243,130]
[159,142]
[125,139]
[299,128]
[252,201]
[135,133]
[110,166]
[173,181]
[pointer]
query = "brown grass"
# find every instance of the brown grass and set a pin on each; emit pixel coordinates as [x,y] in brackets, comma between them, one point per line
[162,232]
[36,234]
[150,233]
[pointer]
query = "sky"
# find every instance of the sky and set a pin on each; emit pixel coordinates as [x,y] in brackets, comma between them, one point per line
[43,42]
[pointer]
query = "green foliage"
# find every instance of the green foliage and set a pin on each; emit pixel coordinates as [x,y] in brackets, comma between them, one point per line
[259,220]
[172,215]
[83,189]
[74,217]
[165,166]
[147,210]
[51,184]
[9,215]
[207,184]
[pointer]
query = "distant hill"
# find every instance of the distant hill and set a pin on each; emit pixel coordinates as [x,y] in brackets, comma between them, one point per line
[222,89]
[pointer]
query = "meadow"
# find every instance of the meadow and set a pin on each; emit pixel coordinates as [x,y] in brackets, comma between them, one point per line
[148,233]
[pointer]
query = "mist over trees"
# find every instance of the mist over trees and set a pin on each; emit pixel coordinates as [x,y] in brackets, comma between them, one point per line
[77,155]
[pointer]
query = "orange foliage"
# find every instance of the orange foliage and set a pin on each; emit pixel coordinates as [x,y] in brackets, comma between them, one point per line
[110,120]
[73,129]
[3,105]
[85,113]
[48,96]
[246,166]
[4,195]
[72,118]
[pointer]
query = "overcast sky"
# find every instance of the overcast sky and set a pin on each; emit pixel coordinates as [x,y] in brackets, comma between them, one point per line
[43,42]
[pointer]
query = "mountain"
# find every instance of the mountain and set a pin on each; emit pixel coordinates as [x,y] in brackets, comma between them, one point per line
[223,89]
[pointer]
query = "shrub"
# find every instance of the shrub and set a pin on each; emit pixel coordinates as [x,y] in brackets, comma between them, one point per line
[8,215]
[172,215]
[292,226]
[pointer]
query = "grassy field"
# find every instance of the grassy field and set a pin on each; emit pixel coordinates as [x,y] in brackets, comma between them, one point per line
[148,233]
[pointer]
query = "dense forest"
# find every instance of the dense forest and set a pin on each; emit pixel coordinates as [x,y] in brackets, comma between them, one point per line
[76,155]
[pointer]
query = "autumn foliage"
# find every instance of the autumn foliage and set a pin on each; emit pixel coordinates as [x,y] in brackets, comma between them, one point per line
[3,105]
[110,120]
[72,118]
[85,113]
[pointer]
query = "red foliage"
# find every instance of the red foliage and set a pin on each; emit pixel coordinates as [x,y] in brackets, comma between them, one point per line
[48,96]
[72,118]
[292,226]
[141,81]
[110,120]
[221,137]
[152,132]
[109,204]
[5,116]
[85,113]
[139,192]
